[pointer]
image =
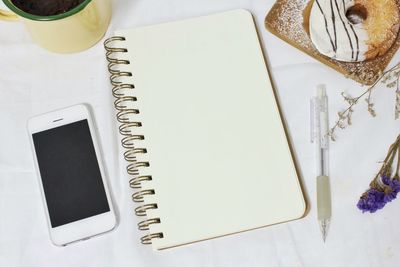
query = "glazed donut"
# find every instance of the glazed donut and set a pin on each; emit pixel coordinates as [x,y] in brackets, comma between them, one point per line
[352,31]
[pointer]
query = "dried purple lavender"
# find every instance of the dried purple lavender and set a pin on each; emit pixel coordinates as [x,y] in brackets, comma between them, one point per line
[385,186]
[372,200]
[376,198]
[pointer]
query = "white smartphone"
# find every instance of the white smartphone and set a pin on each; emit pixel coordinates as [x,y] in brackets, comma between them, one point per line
[71,175]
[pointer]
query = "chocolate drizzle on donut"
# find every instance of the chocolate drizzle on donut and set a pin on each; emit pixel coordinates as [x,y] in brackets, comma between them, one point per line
[357,41]
[334,25]
[345,28]
[326,26]
[353,42]
[354,32]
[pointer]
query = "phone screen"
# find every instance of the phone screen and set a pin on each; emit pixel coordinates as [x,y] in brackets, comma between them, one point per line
[70,173]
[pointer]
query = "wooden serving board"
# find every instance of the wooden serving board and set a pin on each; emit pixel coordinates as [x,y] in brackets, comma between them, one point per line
[288,19]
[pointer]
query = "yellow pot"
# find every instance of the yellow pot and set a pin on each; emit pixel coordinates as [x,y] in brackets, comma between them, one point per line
[72,31]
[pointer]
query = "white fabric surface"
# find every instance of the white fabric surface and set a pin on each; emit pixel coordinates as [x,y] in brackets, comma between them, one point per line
[33,81]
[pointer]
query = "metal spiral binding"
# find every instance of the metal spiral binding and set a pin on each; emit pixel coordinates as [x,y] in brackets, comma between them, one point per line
[127,127]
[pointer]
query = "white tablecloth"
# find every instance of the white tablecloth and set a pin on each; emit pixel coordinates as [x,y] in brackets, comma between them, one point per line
[34,81]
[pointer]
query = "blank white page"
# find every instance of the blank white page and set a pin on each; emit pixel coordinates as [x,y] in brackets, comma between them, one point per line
[216,145]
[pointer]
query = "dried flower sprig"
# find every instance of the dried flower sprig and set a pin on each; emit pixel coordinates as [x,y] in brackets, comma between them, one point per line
[386,184]
[391,78]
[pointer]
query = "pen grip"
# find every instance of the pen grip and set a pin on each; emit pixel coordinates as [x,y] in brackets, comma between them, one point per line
[323,198]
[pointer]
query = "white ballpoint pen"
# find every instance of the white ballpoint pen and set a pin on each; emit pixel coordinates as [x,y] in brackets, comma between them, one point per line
[319,136]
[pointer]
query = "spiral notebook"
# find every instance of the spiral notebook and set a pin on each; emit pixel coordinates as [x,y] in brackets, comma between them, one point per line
[202,134]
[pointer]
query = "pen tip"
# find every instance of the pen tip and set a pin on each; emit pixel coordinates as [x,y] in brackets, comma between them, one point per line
[324,229]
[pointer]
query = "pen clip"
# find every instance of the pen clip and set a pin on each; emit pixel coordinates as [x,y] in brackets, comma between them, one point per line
[323,116]
[313,132]
[324,138]
[319,118]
